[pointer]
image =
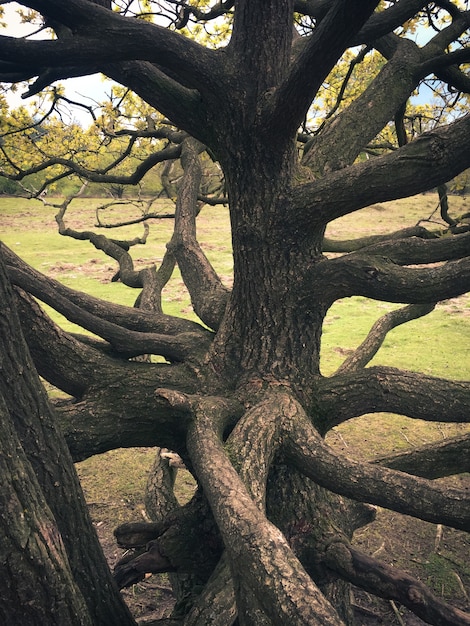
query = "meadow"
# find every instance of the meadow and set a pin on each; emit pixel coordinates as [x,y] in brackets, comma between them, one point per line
[438,344]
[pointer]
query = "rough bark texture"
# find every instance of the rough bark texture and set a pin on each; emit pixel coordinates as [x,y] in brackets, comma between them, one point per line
[62,560]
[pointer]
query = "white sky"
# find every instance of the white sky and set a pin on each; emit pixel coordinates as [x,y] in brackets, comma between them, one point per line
[80,89]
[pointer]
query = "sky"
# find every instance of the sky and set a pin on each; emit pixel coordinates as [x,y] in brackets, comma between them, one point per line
[87,89]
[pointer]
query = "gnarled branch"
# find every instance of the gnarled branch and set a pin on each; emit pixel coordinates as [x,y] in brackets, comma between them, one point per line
[387,389]
[388,582]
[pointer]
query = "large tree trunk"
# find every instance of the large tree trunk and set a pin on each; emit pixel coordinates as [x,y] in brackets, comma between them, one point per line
[51,557]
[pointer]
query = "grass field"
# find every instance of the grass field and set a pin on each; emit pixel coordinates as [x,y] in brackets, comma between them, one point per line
[438,344]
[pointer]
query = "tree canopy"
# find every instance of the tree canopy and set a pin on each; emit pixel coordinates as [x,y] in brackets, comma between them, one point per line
[268,98]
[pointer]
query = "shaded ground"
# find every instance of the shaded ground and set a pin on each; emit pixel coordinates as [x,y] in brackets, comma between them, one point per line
[150,599]
[438,556]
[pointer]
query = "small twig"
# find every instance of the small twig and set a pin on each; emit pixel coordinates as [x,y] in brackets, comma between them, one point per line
[397,613]
[406,438]
[379,550]
[461,585]
[437,540]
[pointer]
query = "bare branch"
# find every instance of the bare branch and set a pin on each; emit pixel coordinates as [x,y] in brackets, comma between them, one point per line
[254,545]
[368,483]
[381,279]
[208,295]
[432,159]
[393,584]
[351,245]
[127,317]
[126,343]
[377,334]
[97,176]
[434,460]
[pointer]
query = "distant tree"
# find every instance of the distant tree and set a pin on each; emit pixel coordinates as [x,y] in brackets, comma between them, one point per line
[267,538]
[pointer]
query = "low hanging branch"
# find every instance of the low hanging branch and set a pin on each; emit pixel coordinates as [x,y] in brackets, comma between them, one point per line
[389,390]
[126,343]
[434,460]
[130,318]
[376,485]
[350,245]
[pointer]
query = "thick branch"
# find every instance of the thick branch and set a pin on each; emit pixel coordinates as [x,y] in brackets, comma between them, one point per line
[386,389]
[115,416]
[381,279]
[392,584]
[418,250]
[127,317]
[341,141]
[368,483]
[61,359]
[434,158]
[383,96]
[208,295]
[387,21]
[138,40]
[126,343]
[351,245]
[179,104]
[255,547]
[435,460]
[329,40]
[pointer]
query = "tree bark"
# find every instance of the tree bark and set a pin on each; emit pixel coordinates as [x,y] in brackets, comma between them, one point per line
[67,526]
[38,586]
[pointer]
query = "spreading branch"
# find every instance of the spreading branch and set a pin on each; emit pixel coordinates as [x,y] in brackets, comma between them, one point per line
[386,389]
[376,336]
[381,279]
[434,460]
[433,158]
[372,484]
[95,31]
[393,584]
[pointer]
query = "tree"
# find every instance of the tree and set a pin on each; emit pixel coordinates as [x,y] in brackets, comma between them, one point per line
[241,397]
[50,555]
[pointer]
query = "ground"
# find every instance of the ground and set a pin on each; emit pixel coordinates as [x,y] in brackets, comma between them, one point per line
[437,556]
